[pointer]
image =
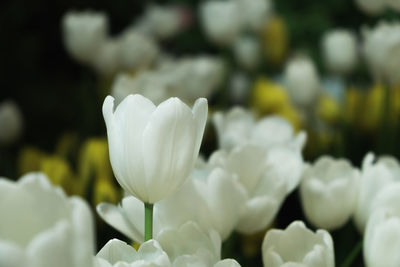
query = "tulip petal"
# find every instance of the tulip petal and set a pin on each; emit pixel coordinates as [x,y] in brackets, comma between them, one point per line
[169,140]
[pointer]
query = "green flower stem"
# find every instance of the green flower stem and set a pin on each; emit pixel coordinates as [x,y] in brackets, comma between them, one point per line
[353,255]
[148,221]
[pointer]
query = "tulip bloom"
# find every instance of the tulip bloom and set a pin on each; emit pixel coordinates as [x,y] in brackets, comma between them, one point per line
[153,148]
[40,226]
[298,246]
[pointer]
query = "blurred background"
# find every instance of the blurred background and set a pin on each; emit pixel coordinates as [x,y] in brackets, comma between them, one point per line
[54,97]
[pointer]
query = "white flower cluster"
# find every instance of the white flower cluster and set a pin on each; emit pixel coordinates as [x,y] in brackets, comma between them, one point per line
[87,39]
[237,24]
[188,78]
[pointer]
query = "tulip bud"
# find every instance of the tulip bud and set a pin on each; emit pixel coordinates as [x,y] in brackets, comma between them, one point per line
[302,81]
[329,192]
[153,148]
[84,33]
[340,50]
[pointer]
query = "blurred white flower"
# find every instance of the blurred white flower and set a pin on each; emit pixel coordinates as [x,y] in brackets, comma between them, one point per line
[233,127]
[136,51]
[381,49]
[191,78]
[382,234]
[302,81]
[265,189]
[153,148]
[372,7]
[117,253]
[239,87]
[41,227]
[298,246]
[238,126]
[106,60]
[188,245]
[274,130]
[164,21]
[340,50]
[247,51]
[84,33]
[221,20]
[145,83]
[329,191]
[255,13]
[11,122]
[374,177]
[224,197]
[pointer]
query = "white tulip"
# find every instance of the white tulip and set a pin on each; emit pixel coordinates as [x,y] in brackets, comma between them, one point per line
[84,33]
[247,52]
[153,148]
[298,246]
[11,122]
[382,234]
[340,50]
[221,21]
[302,81]
[265,189]
[329,192]
[255,13]
[41,227]
[382,51]
[117,253]
[136,51]
[374,177]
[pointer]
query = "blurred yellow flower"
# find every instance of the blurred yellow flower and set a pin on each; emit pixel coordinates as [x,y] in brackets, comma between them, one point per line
[269,97]
[328,109]
[372,109]
[353,105]
[59,172]
[275,40]
[105,191]
[67,145]
[94,163]
[29,160]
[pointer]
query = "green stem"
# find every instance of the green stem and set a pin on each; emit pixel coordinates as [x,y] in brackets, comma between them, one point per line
[148,221]
[353,255]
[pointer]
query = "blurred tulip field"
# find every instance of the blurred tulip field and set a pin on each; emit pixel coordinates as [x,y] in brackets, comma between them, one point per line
[214,133]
